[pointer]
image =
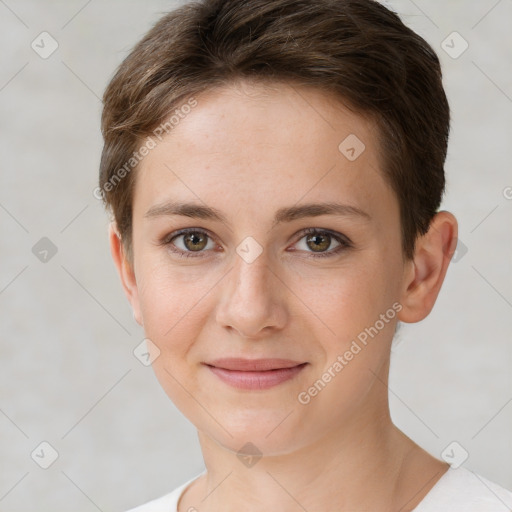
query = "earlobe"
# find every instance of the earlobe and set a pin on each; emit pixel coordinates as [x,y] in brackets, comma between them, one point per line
[432,255]
[125,270]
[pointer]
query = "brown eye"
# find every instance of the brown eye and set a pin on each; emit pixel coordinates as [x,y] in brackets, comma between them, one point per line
[318,242]
[195,241]
[189,242]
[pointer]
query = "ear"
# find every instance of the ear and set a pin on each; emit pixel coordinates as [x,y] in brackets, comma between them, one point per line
[425,273]
[125,270]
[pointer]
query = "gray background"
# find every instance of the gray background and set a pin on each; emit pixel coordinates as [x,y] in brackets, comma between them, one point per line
[68,374]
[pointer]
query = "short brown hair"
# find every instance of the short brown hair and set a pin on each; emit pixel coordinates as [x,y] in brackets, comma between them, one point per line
[357,49]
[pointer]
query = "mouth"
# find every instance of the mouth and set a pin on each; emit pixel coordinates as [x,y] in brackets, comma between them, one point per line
[255,373]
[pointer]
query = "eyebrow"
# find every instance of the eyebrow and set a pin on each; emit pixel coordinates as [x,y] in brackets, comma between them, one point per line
[286,214]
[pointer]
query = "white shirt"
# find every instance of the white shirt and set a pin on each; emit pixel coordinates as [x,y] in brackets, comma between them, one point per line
[458,490]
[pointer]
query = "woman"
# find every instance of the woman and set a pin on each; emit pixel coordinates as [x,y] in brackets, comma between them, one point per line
[275,171]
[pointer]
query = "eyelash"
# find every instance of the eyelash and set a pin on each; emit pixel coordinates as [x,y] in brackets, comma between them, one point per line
[344,242]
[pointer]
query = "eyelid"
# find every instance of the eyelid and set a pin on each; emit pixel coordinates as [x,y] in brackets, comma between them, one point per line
[185,231]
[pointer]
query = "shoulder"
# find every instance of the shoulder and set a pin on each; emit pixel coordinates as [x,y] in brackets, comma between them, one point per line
[467,491]
[166,503]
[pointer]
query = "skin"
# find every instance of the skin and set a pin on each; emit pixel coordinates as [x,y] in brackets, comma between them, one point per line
[248,150]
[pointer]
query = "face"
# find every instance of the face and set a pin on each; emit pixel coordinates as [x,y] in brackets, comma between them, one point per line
[250,269]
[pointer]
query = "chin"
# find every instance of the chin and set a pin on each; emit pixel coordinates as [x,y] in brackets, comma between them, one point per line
[259,432]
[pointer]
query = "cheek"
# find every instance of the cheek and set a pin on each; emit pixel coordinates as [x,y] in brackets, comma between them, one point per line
[360,307]
[171,305]
[357,295]
[173,315]
[361,310]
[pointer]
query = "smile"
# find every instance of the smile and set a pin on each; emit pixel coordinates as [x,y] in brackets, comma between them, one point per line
[255,374]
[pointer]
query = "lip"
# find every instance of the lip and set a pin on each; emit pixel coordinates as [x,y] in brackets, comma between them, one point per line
[254,373]
[252,365]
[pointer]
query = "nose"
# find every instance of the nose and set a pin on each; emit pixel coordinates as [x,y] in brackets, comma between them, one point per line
[253,299]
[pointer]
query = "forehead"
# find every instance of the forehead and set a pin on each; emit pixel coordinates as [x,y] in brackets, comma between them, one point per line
[275,143]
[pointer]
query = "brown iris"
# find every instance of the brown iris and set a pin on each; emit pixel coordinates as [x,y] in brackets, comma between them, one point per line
[195,241]
[316,242]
